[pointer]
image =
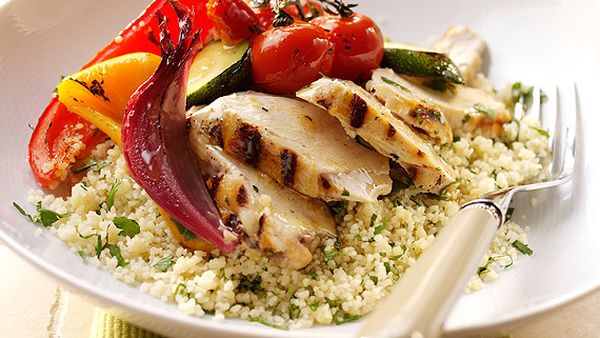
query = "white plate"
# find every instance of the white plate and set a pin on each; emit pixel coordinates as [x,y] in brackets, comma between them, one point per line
[533,41]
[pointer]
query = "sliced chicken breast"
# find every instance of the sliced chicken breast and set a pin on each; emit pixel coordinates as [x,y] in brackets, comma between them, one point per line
[361,114]
[464,47]
[294,142]
[283,224]
[421,114]
[466,109]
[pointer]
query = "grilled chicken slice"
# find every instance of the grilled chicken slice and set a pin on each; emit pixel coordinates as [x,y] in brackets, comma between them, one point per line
[466,109]
[296,143]
[283,224]
[464,47]
[424,116]
[361,114]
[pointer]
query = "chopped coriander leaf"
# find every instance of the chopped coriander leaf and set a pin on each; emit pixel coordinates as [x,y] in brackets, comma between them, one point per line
[347,319]
[22,212]
[466,118]
[115,251]
[250,284]
[264,322]
[110,200]
[44,217]
[293,311]
[180,290]
[373,219]
[485,268]
[129,227]
[522,247]
[187,234]
[379,229]
[332,303]
[164,264]
[82,254]
[393,83]
[374,279]
[338,208]
[509,213]
[99,245]
[47,217]
[345,192]
[542,132]
[398,201]
[330,253]
[85,237]
[483,109]
[314,306]
[387,266]
[91,164]
[314,276]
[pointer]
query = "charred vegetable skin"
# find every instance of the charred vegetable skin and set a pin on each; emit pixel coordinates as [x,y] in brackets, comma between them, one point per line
[60,137]
[155,143]
[437,68]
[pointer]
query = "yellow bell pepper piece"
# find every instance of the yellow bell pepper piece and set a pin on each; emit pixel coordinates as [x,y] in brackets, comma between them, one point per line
[100,93]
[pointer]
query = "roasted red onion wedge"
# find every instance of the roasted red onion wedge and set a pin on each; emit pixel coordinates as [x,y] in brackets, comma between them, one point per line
[155,139]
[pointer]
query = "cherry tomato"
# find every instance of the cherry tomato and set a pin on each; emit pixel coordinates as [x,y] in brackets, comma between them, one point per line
[234,20]
[310,10]
[286,59]
[358,45]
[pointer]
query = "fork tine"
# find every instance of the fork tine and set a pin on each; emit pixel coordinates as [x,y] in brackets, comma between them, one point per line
[551,121]
[569,112]
[536,105]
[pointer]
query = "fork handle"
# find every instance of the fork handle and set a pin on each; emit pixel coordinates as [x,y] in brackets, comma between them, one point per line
[425,294]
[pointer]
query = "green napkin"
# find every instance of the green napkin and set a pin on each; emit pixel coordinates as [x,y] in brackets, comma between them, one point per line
[106,325]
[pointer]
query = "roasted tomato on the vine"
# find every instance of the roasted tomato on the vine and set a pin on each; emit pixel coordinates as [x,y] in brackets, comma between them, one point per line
[302,10]
[285,59]
[357,39]
[234,20]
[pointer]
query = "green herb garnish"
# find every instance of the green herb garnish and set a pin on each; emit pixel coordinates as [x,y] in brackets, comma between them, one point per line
[522,247]
[390,82]
[346,319]
[250,284]
[180,290]
[379,229]
[509,213]
[373,219]
[91,164]
[387,266]
[115,251]
[164,264]
[542,132]
[129,227]
[374,279]
[265,323]
[44,217]
[110,200]
[314,306]
[345,192]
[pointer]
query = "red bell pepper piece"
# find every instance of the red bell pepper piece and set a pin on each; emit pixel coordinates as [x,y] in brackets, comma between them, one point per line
[61,137]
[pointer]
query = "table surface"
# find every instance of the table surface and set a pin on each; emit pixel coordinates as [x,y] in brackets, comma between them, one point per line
[32,305]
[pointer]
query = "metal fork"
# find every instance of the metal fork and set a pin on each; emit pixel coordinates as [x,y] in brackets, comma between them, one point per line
[421,301]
